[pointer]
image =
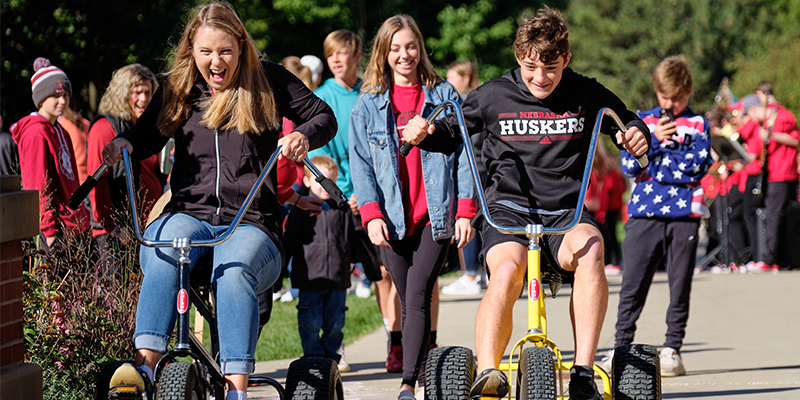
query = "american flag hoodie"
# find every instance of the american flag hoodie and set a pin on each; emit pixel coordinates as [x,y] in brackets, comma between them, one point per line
[670,185]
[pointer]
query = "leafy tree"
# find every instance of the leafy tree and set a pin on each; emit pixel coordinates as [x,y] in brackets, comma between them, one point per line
[620,42]
[87,39]
[770,53]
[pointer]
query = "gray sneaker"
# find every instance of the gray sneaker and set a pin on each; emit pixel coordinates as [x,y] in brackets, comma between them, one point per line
[671,362]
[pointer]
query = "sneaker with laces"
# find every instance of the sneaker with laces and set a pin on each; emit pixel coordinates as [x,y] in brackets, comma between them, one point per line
[463,285]
[129,382]
[671,362]
[344,366]
[394,363]
[491,382]
[605,362]
[581,388]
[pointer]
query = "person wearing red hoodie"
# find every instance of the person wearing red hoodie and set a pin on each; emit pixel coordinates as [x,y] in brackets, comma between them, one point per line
[773,130]
[46,157]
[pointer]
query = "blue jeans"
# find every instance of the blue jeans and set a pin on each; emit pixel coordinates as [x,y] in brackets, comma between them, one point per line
[321,310]
[248,263]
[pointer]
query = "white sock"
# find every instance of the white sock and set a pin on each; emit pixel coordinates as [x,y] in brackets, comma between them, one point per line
[386,326]
[236,395]
[147,371]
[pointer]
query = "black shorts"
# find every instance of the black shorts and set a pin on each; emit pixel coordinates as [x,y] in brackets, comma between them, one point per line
[505,216]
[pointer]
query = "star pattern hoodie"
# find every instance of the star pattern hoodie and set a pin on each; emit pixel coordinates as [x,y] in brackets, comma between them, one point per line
[670,186]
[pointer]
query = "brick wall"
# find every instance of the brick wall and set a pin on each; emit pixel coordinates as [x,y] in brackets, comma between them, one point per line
[12,347]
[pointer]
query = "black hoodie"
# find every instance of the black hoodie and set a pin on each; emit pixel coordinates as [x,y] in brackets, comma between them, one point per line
[214,171]
[535,150]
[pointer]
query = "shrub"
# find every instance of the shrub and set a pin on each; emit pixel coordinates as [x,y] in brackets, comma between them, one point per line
[78,314]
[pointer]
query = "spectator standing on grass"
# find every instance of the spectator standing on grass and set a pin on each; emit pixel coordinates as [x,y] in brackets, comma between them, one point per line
[46,156]
[342,51]
[321,247]
[411,206]
[664,211]
[127,96]
[464,77]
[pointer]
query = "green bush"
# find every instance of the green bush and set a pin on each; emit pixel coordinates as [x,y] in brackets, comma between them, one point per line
[77,315]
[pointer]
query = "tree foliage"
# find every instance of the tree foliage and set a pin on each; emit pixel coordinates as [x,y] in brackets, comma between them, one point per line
[619,42]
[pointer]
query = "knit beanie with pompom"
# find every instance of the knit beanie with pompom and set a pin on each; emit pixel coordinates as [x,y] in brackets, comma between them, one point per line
[47,80]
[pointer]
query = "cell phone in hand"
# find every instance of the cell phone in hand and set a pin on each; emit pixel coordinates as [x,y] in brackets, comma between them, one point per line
[667,112]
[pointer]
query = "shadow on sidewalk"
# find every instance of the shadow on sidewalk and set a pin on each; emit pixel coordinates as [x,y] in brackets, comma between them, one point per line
[726,394]
[733,370]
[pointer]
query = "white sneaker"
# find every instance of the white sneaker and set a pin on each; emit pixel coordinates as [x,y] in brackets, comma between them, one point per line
[362,291]
[463,285]
[344,366]
[605,362]
[671,362]
[290,295]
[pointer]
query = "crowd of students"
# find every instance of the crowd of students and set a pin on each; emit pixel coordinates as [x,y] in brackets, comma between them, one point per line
[227,111]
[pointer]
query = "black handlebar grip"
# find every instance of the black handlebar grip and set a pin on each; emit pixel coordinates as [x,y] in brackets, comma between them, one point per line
[405,148]
[82,192]
[333,190]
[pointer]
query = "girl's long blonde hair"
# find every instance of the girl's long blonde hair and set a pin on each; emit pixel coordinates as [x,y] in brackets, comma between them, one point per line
[247,105]
[115,99]
[377,68]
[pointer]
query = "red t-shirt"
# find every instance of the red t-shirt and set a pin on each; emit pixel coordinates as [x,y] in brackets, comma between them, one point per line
[782,161]
[407,102]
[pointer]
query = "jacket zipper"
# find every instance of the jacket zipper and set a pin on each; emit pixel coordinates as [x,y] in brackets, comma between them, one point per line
[216,186]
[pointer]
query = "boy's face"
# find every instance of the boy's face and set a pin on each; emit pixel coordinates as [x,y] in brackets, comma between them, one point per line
[53,106]
[540,78]
[677,103]
[344,64]
[314,186]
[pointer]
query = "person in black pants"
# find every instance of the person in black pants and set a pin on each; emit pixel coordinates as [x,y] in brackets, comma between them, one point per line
[665,209]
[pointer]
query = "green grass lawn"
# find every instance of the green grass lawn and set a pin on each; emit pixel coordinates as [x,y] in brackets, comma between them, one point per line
[280,339]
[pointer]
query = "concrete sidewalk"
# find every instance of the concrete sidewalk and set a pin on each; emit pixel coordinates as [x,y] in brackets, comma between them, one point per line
[741,340]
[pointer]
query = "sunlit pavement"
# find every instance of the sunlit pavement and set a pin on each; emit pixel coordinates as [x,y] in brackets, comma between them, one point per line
[741,341]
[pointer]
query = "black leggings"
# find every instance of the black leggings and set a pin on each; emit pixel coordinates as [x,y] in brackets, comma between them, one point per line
[414,263]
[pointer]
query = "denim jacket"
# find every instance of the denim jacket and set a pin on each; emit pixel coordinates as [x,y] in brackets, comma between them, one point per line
[374,148]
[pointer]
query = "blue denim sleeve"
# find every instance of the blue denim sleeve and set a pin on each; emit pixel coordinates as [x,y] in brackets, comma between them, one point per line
[365,185]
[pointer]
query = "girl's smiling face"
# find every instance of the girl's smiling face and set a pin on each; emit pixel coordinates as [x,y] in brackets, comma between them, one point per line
[403,58]
[216,54]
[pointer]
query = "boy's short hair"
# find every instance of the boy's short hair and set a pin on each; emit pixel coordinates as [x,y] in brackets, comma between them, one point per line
[322,161]
[545,35]
[672,77]
[765,87]
[341,38]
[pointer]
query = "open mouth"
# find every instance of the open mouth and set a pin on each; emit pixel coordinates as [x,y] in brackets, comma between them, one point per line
[218,75]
